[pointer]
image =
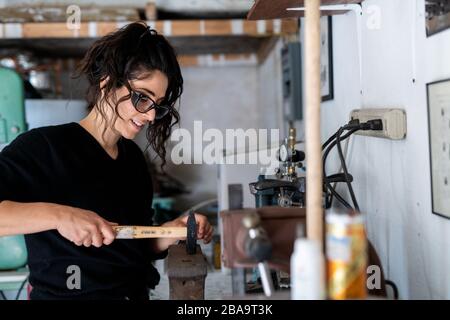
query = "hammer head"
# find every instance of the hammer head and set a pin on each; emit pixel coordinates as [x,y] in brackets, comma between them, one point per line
[191,239]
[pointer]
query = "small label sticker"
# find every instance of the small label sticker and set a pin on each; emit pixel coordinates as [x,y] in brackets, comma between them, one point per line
[338,249]
[124,233]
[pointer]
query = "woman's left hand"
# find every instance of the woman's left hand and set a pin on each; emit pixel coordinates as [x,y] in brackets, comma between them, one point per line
[204,228]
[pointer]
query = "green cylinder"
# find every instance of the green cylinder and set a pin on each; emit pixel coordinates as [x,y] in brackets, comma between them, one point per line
[13,252]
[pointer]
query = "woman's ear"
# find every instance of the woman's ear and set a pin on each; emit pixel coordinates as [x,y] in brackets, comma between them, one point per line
[104,82]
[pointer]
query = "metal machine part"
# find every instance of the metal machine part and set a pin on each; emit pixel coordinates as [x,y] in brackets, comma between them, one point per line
[290,157]
[266,279]
[13,253]
[258,246]
[288,189]
[12,106]
[191,239]
[285,199]
[283,193]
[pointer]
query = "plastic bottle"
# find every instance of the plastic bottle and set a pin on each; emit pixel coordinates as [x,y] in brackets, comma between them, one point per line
[346,255]
[307,269]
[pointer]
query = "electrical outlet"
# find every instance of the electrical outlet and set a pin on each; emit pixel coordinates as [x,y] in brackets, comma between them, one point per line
[394,122]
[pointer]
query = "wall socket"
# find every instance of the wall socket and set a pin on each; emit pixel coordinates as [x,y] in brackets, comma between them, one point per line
[394,122]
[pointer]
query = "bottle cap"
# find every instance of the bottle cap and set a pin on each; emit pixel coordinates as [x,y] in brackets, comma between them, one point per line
[309,248]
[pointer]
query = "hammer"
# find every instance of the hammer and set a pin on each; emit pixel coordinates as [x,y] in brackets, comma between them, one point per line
[145,232]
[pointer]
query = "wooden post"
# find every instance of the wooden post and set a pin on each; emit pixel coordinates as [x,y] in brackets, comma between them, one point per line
[150,10]
[314,209]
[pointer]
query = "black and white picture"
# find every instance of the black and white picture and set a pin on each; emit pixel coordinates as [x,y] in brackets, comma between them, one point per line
[326,59]
[439,139]
[437,16]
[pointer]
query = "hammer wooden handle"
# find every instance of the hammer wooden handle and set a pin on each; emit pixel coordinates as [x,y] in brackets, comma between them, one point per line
[140,232]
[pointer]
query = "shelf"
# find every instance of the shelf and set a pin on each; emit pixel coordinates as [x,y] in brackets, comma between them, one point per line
[269,9]
[223,40]
[169,28]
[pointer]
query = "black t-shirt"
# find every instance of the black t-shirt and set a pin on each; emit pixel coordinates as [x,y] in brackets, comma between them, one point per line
[66,165]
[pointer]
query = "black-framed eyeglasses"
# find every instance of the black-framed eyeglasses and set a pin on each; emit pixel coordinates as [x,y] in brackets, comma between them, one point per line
[144,104]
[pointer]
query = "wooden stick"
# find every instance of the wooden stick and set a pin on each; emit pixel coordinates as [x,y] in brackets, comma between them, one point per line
[151,11]
[314,209]
[140,232]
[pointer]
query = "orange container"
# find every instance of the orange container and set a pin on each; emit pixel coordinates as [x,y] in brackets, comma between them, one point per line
[346,246]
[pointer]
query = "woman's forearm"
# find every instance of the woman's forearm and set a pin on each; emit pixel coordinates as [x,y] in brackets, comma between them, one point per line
[24,218]
[161,244]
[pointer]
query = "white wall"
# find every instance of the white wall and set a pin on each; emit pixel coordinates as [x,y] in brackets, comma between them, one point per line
[392,178]
[270,91]
[49,112]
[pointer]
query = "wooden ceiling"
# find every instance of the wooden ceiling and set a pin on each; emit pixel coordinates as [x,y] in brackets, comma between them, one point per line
[68,48]
[189,37]
[269,9]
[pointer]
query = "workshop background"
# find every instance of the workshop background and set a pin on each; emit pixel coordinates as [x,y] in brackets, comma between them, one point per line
[237,83]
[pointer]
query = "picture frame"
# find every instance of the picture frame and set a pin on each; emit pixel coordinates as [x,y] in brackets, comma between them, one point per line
[437,15]
[438,100]
[326,58]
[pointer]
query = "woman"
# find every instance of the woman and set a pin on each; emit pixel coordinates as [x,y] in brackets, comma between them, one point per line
[66,186]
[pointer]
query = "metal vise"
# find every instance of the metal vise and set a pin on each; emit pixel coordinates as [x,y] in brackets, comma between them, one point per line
[187,267]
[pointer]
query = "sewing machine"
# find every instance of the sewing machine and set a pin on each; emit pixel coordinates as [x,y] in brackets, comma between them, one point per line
[288,189]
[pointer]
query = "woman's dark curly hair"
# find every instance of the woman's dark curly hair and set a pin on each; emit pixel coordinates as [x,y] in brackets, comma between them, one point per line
[131,53]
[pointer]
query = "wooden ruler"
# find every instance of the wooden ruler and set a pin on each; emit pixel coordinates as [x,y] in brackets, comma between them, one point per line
[140,232]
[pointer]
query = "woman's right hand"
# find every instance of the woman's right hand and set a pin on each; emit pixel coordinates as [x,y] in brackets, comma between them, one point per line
[84,227]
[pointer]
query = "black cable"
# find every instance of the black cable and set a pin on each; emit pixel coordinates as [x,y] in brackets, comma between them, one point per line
[338,197]
[344,168]
[3,295]
[328,202]
[353,124]
[332,188]
[328,186]
[335,139]
[21,288]
[329,141]
[348,134]
[394,288]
